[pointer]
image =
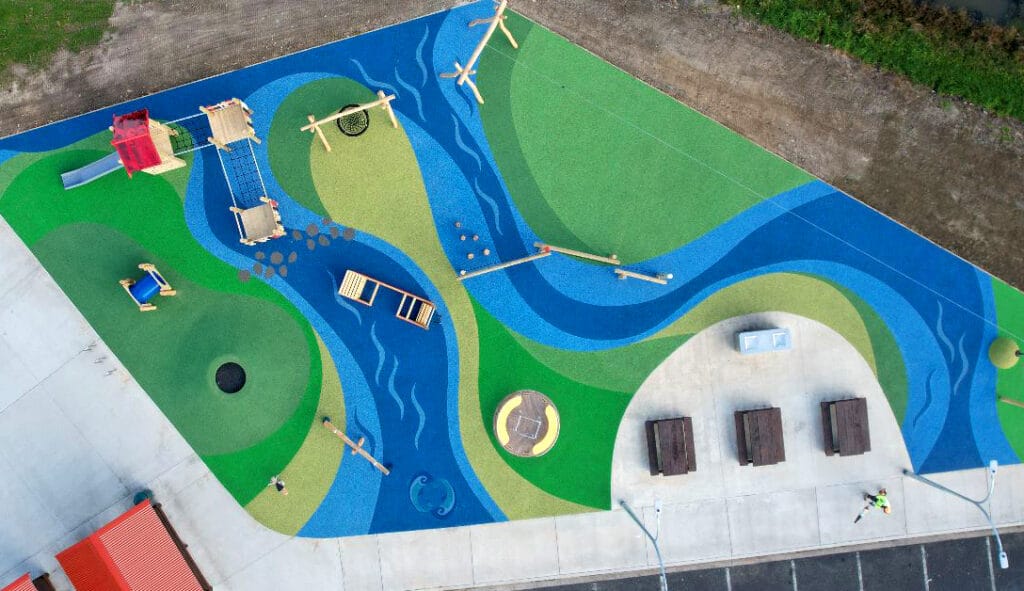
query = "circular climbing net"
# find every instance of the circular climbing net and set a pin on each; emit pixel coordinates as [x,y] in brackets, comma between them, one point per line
[355,123]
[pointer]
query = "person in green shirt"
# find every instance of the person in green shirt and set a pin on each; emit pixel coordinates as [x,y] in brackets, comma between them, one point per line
[881,500]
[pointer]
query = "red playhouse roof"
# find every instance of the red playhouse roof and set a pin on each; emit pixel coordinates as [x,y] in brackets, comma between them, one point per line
[133,143]
[131,553]
[22,584]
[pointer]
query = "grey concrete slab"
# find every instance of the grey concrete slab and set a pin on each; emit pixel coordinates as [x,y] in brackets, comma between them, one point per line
[775,522]
[299,563]
[437,558]
[360,563]
[766,576]
[144,445]
[893,568]
[26,522]
[599,542]
[15,377]
[694,532]
[932,506]
[957,565]
[515,551]
[56,462]
[839,505]
[45,325]
[837,572]
[18,262]
[222,537]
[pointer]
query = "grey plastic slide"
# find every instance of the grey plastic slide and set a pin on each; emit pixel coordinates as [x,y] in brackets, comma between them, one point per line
[91,172]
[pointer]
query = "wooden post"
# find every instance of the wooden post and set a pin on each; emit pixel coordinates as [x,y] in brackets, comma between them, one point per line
[494,22]
[500,266]
[386,105]
[356,447]
[660,278]
[319,133]
[610,259]
[458,73]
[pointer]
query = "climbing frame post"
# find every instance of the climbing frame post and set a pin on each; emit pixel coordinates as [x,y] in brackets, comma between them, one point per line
[461,73]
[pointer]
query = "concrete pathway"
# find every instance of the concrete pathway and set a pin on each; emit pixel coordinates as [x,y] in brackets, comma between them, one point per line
[78,437]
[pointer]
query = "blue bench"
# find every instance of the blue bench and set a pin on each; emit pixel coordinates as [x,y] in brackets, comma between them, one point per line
[763,341]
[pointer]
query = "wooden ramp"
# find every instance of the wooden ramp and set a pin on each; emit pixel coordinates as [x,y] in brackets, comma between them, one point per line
[363,289]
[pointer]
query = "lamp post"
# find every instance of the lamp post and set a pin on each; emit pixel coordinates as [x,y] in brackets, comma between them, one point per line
[990,475]
[652,538]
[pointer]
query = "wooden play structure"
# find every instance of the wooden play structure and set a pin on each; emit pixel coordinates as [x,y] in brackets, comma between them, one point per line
[383,101]
[143,144]
[357,446]
[363,289]
[144,289]
[259,223]
[462,73]
[229,122]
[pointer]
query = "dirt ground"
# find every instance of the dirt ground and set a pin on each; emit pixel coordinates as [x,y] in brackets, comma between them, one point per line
[950,171]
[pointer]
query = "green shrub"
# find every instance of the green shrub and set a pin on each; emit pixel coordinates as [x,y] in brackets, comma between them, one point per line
[943,49]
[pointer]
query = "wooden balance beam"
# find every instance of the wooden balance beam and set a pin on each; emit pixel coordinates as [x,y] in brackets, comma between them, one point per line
[660,278]
[533,257]
[610,259]
[383,101]
[357,447]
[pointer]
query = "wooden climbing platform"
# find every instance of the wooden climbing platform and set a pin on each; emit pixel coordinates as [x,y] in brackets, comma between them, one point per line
[363,289]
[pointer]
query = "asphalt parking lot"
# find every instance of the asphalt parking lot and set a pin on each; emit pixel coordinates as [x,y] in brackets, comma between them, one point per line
[969,564]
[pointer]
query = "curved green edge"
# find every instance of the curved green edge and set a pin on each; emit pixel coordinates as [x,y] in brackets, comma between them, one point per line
[40,205]
[310,474]
[174,351]
[578,467]
[581,143]
[1010,382]
[385,155]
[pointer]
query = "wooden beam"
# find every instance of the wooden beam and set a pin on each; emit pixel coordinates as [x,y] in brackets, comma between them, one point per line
[382,100]
[660,278]
[483,42]
[319,133]
[387,108]
[356,447]
[611,259]
[500,266]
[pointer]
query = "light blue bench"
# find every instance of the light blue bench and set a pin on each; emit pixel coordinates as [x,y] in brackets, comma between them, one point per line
[763,341]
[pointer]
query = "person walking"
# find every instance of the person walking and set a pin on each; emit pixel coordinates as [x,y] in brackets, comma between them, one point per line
[880,500]
[278,485]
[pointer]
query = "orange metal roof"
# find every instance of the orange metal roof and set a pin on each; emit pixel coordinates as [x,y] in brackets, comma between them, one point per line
[131,553]
[24,583]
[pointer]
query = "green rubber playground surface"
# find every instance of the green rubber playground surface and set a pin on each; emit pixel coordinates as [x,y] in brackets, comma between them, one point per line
[566,150]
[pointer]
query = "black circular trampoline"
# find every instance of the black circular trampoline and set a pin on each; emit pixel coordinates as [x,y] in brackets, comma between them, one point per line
[353,124]
[230,377]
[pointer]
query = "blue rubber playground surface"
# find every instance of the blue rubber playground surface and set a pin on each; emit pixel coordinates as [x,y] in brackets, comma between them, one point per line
[407,206]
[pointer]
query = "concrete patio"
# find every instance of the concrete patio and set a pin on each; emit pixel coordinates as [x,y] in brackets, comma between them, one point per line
[78,438]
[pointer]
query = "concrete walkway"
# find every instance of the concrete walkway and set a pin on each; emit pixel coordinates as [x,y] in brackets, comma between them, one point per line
[78,437]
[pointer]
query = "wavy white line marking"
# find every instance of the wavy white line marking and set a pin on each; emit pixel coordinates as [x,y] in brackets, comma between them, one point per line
[422,417]
[380,351]
[394,394]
